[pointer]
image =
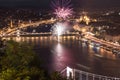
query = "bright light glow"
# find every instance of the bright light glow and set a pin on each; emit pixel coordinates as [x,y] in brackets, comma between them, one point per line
[59,29]
[69,71]
[62,8]
[84,18]
[119,13]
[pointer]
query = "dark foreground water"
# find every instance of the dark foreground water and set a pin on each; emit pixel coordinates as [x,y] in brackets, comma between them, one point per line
[73,53]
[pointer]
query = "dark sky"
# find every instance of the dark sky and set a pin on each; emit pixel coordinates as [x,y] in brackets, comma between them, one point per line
[46,3]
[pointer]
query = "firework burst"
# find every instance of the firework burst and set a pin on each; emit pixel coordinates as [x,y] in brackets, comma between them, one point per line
[62,8]
[58,29]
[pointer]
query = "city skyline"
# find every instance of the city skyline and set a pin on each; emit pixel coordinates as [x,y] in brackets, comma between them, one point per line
[59,40]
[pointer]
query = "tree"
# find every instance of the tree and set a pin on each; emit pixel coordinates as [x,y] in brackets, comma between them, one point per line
[17,63]
[57,76]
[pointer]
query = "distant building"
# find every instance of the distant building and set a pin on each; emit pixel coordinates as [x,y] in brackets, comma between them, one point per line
[112,38]
[82,28]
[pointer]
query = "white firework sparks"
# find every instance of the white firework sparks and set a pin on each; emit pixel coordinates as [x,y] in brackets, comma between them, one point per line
[58,29]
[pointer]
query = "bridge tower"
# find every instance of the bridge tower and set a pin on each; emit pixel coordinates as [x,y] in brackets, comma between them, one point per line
[70,73]
[11,24]
[18,33]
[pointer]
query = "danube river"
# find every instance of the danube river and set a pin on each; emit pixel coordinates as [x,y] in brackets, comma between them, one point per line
[68,51]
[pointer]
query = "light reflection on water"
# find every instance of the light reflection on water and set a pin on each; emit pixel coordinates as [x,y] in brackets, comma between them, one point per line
[69,41]
[71,52]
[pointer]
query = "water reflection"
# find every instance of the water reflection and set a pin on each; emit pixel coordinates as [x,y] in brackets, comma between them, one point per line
[71,52]
[68,41]
[61,56]
[58,49]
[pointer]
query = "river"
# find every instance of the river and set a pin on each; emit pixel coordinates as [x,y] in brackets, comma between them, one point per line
[68,51]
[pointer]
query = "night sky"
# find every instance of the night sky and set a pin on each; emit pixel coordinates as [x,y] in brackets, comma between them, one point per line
[46,3]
